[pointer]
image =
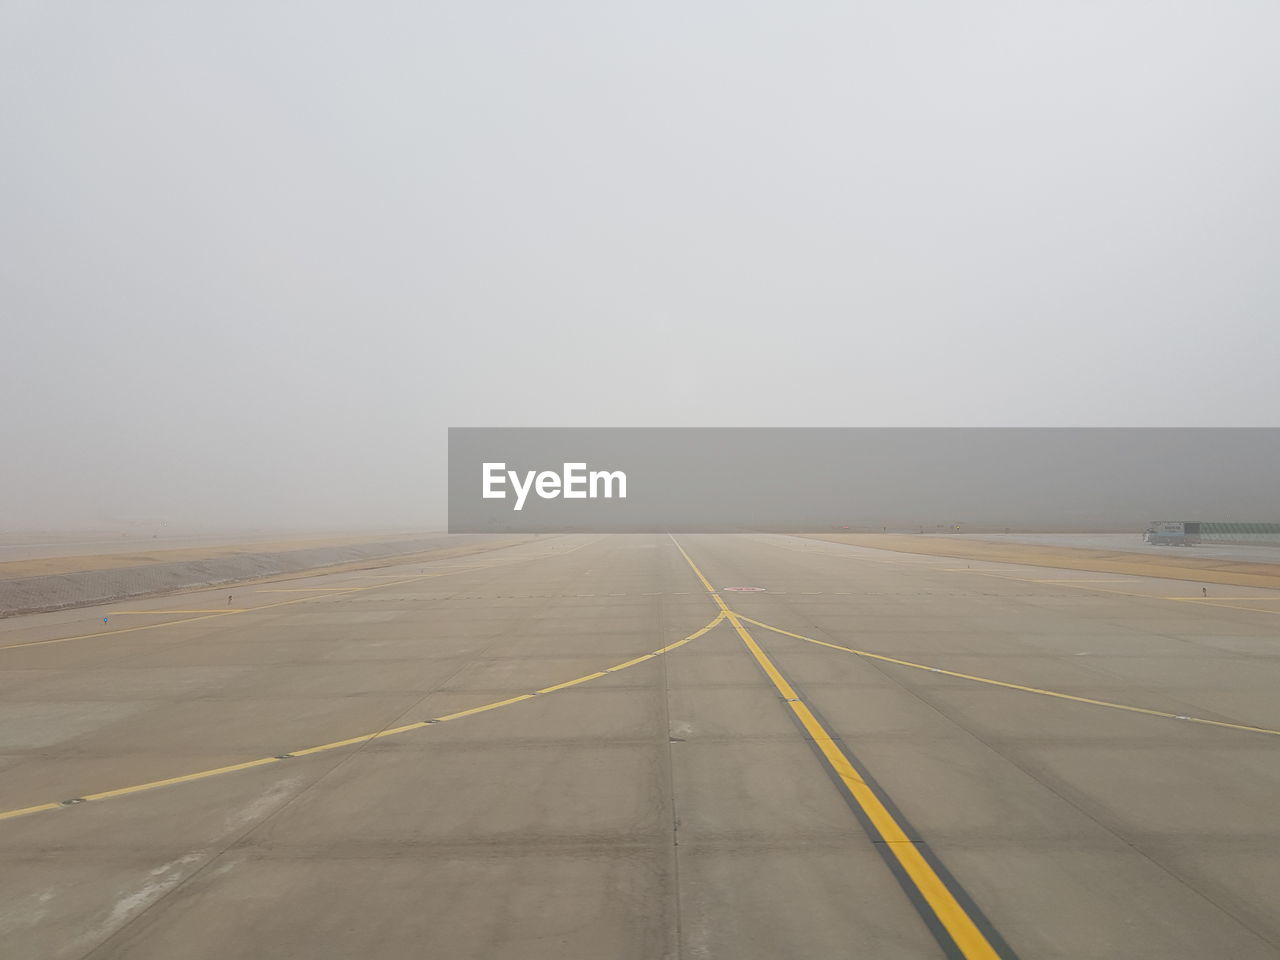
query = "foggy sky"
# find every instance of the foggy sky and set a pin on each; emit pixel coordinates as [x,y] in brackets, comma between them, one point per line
[256,258]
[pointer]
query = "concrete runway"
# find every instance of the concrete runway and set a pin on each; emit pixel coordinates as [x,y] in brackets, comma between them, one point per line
[519,755]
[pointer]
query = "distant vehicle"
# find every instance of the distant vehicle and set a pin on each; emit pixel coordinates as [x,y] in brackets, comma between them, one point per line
[1169,533]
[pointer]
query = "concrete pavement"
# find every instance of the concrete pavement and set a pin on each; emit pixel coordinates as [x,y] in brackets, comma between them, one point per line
[515,755]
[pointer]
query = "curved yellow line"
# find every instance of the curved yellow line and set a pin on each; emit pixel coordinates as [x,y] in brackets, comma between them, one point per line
[1017,686]
[363,738]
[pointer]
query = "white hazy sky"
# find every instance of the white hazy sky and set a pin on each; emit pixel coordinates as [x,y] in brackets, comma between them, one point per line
[256,257]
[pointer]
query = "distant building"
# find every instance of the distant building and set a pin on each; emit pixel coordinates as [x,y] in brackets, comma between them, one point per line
[1186,532]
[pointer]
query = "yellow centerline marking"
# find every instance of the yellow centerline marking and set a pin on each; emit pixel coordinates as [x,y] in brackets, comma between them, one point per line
[1205,599]
[1086,580]
[572,683]
[1085,585]
[487,706]
[318,589]
[38,808]
[186,778]
[159,613]
[112,633]
[1015,686]
[1203,602]
[632,663]
[1083,560]
[1080,582]
[207,616]
[351,741]
[950,913]
[1071,581]
[236,610]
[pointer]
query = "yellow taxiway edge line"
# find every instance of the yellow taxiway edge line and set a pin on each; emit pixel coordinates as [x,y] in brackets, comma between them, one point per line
[209,616]
[572,683]
[111,633]
[483,708]
[1080,584]
[1017,686]
[318,589]
[22,812]
[223,613]
[160,613]
[350,741]
[632,663]
[186,778]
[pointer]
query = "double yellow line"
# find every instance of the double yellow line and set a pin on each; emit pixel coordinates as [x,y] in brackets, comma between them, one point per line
[955,922]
